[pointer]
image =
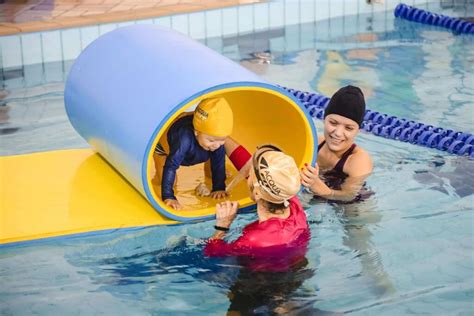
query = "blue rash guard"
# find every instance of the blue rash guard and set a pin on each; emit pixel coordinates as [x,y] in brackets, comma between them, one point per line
[186,151]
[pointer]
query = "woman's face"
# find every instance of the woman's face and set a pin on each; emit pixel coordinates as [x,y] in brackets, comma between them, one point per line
[339,132]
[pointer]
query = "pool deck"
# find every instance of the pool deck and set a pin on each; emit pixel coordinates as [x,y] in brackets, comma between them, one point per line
[24,16]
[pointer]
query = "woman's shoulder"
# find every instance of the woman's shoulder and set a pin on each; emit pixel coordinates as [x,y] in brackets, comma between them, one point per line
[361,153]
[358,163]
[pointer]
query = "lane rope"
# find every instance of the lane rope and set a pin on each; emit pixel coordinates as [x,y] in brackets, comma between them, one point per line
[410,13]
[390,126]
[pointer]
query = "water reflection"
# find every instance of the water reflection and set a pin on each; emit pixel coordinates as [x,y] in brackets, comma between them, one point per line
[450,175]
[358,219]
[4,120]
[267,293]
[251,286]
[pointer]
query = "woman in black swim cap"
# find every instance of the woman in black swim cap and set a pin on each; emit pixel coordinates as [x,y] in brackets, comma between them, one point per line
[342,166]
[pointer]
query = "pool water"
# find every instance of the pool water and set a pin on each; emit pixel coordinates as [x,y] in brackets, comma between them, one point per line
[406,250]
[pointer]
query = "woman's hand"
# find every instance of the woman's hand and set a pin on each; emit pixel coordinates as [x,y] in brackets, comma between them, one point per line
[310,179]
[225,213]
[219,195]
[309,175]
[173,203]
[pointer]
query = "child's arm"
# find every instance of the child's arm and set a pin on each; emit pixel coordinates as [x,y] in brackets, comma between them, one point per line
[218,173]
[173,162]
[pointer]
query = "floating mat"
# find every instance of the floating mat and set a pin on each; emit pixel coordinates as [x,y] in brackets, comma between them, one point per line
[77,191]
[66,192]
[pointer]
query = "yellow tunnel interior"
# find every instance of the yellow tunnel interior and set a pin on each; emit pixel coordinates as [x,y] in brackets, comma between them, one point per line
[261,116]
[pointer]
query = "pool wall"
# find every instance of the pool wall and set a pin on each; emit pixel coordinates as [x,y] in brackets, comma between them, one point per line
[26,49]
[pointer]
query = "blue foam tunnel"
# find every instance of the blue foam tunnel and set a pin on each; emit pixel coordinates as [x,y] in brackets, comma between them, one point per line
[128,86]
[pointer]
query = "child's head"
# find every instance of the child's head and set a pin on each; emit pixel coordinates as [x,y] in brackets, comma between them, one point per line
[275,177]
[213,122]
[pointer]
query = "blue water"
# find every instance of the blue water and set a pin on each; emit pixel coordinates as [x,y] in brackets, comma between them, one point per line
[407,250]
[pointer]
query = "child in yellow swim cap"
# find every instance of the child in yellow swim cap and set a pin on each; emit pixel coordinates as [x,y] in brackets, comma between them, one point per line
[197,138]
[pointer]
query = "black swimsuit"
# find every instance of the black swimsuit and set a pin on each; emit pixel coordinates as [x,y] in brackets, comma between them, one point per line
[335,177]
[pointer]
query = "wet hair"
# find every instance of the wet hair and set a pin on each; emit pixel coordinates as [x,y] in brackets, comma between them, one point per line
[274,207]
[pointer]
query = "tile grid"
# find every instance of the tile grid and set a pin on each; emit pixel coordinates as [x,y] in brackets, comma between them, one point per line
[43,15]
[65,44]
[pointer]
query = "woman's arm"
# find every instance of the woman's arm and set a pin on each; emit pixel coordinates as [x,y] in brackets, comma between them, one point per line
[358,167]
[240,158]
[225,215]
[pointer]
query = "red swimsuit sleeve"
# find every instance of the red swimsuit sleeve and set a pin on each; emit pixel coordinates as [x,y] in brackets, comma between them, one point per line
[240,247]
[220,248]
[217,248]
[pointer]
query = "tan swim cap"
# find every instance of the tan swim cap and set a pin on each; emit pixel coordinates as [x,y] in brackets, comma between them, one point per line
[275,176]
[213,117]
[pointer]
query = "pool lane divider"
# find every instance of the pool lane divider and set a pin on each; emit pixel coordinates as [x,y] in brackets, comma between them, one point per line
[389,126]
[458,25]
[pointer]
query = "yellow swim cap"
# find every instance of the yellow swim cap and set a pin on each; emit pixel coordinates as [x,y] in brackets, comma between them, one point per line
[213,117]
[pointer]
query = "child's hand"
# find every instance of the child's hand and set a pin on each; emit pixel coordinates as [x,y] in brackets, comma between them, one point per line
[219,195]
[225,213]
[173,203]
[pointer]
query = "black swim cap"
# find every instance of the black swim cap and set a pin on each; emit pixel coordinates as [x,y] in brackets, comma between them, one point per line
[348,102]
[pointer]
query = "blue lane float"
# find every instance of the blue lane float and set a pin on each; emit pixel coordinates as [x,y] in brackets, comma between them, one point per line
[128,86]
[422,16]
[389,126]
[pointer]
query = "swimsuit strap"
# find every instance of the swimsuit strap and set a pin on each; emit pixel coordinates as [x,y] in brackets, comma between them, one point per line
[340,164]
[321,145]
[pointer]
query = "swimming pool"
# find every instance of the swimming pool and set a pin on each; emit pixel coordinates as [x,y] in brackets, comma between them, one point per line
[406,250]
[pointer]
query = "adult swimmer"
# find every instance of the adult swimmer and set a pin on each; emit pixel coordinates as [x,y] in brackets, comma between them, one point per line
[273,181]
[342,166]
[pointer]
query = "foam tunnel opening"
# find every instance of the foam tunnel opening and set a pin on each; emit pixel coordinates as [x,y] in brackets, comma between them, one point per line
[122,108]
[262,114]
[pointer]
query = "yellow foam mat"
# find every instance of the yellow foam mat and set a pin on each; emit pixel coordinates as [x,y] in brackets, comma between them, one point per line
[67,192]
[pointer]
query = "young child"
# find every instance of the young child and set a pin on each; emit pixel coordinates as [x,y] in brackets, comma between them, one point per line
[197,138]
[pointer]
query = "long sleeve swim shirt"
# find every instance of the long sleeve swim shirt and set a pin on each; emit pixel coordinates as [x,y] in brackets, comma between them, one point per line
[267,238]
[186,151]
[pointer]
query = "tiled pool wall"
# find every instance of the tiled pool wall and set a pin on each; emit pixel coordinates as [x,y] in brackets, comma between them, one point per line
[211,27]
